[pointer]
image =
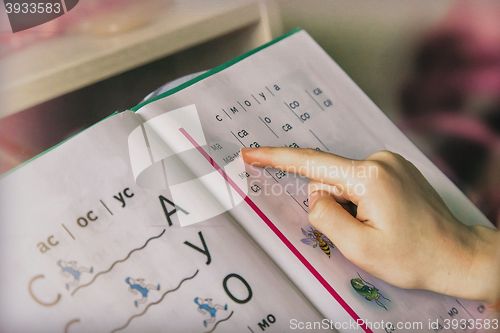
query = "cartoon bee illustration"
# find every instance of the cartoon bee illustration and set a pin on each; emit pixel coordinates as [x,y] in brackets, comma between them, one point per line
[368,291]
[316,238]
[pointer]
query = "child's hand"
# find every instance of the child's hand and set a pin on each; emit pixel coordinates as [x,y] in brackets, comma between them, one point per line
[402,232]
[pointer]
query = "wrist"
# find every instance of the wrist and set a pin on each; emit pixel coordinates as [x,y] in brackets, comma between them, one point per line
[466,263]
[486,265]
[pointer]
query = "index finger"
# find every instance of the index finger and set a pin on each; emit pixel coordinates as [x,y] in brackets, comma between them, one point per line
[317,165]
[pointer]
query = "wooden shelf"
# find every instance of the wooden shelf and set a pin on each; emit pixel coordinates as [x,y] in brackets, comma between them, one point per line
[60,65]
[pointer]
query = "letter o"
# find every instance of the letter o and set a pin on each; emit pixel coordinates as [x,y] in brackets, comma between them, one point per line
[82,222]
[245,283]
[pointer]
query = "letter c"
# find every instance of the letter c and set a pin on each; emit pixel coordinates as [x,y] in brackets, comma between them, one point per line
[32,294]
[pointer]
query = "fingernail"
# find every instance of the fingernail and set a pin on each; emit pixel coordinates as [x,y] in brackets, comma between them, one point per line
[246,152]
[313,198]
[251,153]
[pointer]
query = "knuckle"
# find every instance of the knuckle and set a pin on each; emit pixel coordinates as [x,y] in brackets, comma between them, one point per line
[377,171]
[369,164]
[385,156]
[310,153]
[320,212]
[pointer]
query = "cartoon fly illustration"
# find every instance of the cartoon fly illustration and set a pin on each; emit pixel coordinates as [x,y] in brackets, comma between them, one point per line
[205,306]
[368,291]
[316,238]
[70,269]
[140,287]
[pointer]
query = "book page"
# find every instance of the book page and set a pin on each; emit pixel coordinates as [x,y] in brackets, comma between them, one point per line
[292,94]
[83,249]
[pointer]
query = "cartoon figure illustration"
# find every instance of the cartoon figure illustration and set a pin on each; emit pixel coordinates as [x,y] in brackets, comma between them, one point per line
[205,306]
[368,291]
[316,238]
[140,287]
[70,269]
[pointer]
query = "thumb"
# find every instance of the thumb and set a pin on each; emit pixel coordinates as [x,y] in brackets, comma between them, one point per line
[331,219]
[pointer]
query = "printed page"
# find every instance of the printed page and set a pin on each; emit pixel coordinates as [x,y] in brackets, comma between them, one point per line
[292,94]
[83,249]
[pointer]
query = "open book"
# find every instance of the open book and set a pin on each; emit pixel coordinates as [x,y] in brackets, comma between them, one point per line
[102,234]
